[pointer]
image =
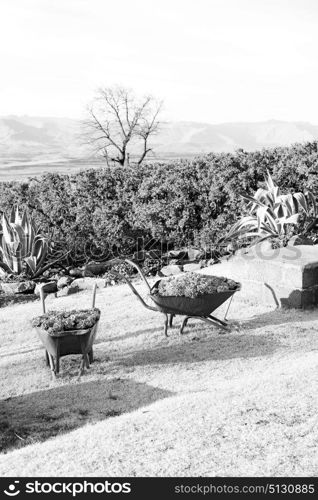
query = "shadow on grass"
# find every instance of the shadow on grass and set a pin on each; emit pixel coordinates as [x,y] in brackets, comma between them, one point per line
[44,414]
[197,348]
[128,335]
[280,317]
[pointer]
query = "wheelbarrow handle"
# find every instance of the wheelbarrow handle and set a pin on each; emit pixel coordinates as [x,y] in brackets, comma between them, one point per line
[143,277]
[42,296]
[131,286]
[133,289]
[94,295]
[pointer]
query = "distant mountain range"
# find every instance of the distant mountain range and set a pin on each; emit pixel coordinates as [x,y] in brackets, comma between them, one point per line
[24,138]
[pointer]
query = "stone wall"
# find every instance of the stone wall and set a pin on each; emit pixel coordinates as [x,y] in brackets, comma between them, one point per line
[287,277]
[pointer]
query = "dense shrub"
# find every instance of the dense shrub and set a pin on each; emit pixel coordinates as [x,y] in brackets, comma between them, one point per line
[101,212]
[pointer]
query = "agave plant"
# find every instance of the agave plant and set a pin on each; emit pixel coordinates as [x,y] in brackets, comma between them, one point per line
[22,248]
[275,215]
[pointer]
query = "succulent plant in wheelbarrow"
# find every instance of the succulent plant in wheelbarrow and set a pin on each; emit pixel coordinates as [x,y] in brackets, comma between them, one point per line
[194,285]
[55,322]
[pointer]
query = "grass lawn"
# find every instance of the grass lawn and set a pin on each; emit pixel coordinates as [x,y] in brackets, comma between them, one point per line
[201,404]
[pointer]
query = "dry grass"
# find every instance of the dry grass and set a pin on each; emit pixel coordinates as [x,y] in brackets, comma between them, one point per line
[203,404]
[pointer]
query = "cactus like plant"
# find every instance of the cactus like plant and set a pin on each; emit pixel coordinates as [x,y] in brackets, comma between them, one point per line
[272,214]
[22,248]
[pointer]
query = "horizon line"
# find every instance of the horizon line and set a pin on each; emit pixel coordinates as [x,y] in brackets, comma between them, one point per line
[237,122]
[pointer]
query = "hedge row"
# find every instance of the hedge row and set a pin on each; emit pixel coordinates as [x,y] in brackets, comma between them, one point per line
[99,211]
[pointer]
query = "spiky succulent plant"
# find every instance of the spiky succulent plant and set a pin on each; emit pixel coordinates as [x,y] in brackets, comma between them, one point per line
[273,215]
[23,249]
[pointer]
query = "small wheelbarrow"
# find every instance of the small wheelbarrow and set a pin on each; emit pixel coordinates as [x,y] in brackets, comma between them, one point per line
[67,342]
[199,307]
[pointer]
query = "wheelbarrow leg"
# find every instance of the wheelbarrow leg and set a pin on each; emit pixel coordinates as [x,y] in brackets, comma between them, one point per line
[57,366]
[171,316]
[84,360]
[218,321]
[183,324]
[81,370]
[211,320]
[166,325]
[227,309]
[51,361]
[91,356]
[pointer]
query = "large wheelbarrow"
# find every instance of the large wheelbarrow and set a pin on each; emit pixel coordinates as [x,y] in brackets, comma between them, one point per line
[68,342]
[199,307]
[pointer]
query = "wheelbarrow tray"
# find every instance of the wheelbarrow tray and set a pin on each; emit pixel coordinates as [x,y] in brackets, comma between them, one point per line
[203,305]
[69,341]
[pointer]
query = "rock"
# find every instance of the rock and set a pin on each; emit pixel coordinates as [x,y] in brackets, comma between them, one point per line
[171,270]
[67,290]
[49,273]
[98,268]
[49,287]
[88,283]
[192,266]
[76,272]
[18,287]
[64,281]
[178,254]
[195,254]
[88,274]
[300,240]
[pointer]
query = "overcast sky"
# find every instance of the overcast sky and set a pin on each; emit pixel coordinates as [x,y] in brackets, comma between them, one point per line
[209,60]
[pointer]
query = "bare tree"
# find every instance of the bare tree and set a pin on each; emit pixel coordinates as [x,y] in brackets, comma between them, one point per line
[119,122]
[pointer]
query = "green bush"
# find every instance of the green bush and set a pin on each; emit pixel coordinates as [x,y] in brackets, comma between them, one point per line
[102,212]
